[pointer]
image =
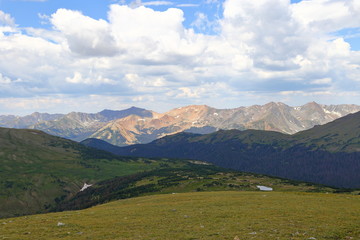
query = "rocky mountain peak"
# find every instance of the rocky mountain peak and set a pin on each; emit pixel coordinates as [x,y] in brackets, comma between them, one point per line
[137,125]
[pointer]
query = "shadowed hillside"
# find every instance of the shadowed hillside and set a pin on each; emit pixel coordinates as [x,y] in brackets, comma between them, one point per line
[326,154]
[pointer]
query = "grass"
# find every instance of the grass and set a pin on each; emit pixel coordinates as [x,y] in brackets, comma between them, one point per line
[202,215]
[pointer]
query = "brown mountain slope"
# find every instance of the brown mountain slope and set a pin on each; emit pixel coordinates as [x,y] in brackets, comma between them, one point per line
[203,119]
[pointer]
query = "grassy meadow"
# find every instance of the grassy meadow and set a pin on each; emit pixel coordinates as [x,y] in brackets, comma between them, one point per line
[200,215]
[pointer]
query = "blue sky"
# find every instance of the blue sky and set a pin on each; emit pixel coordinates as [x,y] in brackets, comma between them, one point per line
[62,56]
[27,13]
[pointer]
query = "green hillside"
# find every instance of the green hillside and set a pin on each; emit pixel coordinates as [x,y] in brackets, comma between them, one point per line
[205,215]
[341,135]
[39,170]
[42,173]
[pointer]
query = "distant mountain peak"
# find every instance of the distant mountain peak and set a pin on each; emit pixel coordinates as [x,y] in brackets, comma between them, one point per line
[137,125]
[313,105]
[132,108]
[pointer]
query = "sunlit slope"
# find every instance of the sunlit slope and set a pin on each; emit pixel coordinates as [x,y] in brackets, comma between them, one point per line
[341,135]
[38,170]
[207,215]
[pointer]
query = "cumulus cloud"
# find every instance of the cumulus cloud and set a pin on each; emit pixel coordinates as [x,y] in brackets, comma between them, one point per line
[263,50]
[153,84]
[84,35]
[153,38]
[266,28]
[78,78]
[327,16]
[6,19]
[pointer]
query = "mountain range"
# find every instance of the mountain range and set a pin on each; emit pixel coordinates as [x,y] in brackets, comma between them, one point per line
[136,125]
[328,154]
[188,152]
[203,119]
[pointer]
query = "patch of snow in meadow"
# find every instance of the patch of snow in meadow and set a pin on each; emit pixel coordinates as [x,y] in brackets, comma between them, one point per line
[263,188]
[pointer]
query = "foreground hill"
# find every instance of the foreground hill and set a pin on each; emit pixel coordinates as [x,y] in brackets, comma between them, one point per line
[327,154]
[207,216]
[136,125]
[39,170]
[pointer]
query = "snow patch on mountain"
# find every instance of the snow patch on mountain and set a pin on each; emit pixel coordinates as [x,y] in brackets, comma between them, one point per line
[85,187]
[333,112]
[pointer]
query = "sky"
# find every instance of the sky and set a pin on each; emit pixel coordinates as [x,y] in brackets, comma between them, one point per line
[59,56]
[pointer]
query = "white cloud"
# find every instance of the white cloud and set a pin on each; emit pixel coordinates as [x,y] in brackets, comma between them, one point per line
[6,19]
[84,35]
[93,80]
[153,84]
[263,50]
[322,81]
[152,37]
[4,79]
[242,62]
[265,27]
[327,16]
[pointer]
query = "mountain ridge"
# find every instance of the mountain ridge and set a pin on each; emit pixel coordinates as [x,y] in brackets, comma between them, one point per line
[203,119]
[137,125]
